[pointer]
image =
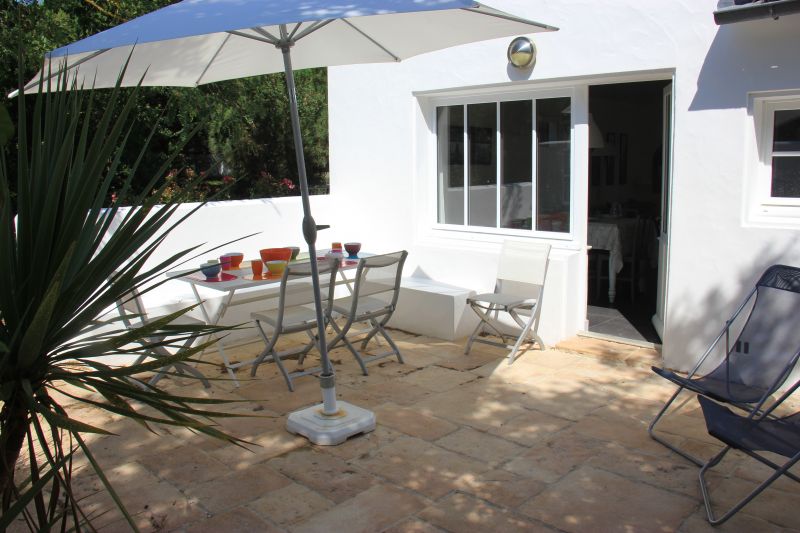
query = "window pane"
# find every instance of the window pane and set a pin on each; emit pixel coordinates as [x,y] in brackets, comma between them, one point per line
[786,177]
[482,124]
[787,131]
[450,136]
[553,130]
[516,152]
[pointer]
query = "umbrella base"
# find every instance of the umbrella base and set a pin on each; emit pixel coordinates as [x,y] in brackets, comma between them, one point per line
[329,430]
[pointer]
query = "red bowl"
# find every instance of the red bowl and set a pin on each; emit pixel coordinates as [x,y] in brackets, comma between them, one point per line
[276,254]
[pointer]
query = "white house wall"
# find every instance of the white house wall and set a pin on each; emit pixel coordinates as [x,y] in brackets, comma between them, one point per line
[380,139]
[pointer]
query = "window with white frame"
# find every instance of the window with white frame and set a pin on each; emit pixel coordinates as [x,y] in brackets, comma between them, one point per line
[780,151]
[505,165]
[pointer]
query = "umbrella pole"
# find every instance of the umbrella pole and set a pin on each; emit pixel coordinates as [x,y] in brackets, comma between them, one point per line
[327,378]
[334,422]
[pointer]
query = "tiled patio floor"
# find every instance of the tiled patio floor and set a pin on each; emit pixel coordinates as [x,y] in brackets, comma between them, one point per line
[555,442]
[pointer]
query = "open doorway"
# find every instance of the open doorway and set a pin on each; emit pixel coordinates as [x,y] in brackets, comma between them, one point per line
[626,145]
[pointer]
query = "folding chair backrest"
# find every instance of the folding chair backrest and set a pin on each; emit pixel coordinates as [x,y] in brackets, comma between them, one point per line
[768,345]
[380,275]
[522,268]
[297,288]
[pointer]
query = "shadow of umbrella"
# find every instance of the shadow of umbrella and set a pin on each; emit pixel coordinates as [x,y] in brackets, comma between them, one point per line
[195,42]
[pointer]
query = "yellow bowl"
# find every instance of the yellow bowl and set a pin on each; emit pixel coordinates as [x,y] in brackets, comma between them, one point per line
[276,267]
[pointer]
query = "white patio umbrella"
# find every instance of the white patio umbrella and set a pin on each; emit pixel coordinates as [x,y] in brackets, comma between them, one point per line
[195,42]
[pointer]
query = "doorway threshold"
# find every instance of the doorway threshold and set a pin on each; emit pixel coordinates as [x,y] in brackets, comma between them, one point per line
[621,340]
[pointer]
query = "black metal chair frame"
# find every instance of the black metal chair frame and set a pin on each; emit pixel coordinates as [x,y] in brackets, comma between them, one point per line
[737,394]
[756,432]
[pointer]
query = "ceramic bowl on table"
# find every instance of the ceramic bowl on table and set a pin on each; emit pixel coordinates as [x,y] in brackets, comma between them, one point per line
[236,259]
[276,254]
[210,270]
[226,261]
[352,249]
[295,252]
[276,268]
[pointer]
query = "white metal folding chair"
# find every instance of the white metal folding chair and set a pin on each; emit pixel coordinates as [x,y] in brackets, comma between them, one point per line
[295,313]
[134,315]
[374,299]
[518,292]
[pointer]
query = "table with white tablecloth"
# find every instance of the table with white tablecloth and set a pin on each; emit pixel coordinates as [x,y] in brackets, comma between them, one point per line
[616,235]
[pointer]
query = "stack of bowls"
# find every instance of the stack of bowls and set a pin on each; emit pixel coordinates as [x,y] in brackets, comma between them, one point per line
[276,254]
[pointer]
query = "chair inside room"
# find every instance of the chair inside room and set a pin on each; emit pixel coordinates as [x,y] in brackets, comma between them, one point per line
[752,356]
[750,434]
[631,257]
[521,275]
[295,313]
[134,316]
[373,301]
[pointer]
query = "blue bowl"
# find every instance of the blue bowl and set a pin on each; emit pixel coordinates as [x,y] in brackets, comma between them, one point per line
[211,270]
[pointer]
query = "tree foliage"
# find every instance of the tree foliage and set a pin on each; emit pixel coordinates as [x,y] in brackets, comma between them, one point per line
[246,133]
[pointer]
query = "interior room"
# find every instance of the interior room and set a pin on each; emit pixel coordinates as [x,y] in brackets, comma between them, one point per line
[625,191]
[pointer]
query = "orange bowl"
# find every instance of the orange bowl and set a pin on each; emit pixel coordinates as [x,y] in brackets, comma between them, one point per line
[276,254]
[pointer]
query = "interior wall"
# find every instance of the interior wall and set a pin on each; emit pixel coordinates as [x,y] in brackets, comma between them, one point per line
[629,116]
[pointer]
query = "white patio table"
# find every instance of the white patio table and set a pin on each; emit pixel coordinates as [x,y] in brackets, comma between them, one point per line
[241,279]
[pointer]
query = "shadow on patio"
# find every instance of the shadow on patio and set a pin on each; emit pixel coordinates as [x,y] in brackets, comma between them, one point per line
[555,442]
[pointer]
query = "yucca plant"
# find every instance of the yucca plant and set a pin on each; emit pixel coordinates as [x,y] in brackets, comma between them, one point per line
[63,265]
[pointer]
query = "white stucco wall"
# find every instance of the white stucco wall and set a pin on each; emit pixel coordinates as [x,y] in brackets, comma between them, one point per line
[380,136]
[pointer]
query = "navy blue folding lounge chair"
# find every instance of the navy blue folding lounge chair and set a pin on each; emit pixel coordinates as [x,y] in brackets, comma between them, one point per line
[750,435]
[758,359]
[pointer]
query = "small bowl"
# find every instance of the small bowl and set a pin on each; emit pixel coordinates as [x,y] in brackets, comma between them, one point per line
[275,254]
[226,261]
[236,259]
[210,270]
[276,267]
[352,249]
[295,252]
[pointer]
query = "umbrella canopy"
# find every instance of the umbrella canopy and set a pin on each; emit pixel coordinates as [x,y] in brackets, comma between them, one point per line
[203,41]
[195,42]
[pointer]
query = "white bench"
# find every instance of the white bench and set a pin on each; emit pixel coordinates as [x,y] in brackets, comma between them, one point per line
[428,307]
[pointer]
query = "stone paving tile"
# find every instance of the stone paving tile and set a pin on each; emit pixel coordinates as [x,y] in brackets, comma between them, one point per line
[361,446]
[671,472]
[773,505]
[596,347]
[148,499]
[594,500]
[438,379]
[290,504]
[697,523]
[195,466]
[552,459]
[330,476]
[461,512]
[480,445]
[584,462]
[530,427]
[471,405]
[500,487]
[373,510]
[375,394]
[234,489]
[413,525]
[413,423]
[622,430]
[420,466]
[239,520]
[268,436]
